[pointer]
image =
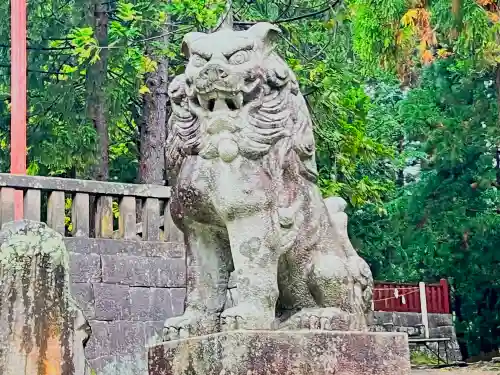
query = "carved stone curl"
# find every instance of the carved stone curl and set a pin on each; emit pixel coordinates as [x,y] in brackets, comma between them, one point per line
[241,157]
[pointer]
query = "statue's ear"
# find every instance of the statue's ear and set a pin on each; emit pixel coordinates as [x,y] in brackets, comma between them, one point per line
[265,32]
[189,38]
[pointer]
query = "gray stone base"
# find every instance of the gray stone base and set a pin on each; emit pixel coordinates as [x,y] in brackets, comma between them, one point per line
[283,353]
[440,326]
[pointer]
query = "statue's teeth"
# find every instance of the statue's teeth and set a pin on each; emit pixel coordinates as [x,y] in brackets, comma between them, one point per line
[220,105]
[238,100]
[203,102]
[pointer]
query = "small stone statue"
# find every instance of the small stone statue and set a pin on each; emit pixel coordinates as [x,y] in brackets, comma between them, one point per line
[241,157]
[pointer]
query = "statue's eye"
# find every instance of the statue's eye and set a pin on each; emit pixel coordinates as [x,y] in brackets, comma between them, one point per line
[239,57]
[198,61]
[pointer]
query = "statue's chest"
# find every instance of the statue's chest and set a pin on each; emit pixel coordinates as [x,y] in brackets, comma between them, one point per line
[225,189]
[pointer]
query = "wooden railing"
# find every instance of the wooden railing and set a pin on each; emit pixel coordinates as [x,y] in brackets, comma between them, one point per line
[401,297]
[47,199]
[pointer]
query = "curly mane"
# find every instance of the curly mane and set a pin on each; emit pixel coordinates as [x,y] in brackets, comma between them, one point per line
[279,115]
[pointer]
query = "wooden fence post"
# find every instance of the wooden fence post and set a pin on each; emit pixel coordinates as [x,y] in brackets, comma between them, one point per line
[423,305]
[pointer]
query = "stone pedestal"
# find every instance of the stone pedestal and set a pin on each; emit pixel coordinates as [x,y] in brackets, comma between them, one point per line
[306,352]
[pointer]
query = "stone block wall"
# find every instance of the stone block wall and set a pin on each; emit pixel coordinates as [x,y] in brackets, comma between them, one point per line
[126,290]
[440,326]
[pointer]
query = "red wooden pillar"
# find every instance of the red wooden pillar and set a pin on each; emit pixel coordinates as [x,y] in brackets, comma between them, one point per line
[18,96]
[446,295]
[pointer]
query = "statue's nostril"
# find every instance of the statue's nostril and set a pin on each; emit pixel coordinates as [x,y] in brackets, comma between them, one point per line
[222,73]
[214,72]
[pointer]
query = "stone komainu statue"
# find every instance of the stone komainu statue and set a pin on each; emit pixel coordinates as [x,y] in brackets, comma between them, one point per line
[241,157]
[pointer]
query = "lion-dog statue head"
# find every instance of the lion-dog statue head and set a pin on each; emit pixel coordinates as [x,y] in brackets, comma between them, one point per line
[237,97]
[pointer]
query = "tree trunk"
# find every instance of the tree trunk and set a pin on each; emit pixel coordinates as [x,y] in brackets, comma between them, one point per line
[400,178]
[497,81]
[95,82]
[153,124]
[153,127]
[462,343]
[497,89]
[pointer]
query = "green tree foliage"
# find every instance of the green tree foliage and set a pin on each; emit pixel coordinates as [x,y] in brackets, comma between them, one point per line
[59,138]
[446,55]
[404,35]
[444,225]
[316,42]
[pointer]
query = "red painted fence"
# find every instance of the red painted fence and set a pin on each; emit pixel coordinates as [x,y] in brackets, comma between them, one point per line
[401,297]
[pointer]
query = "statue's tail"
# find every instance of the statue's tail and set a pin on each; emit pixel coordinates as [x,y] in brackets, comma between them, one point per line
[336,207]
[361,270]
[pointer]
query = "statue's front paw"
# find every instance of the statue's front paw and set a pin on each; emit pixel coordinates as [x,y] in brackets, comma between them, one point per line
[247,316]
[191,323]
[325,318]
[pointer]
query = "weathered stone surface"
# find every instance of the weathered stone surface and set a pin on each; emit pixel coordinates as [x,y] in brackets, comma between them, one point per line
[125,269]
[412,319]
[130,364]
[84,186]
[407,319]
[151,220]
[126,337]
[83,294]
[103,246]
[104,217]
[154,304]
[104,365]
[141,303]
[80,215]
[55,211]
[154,332]
[165,249]
[99,343]
[178,300]
[283,353]
[381,317]
[440,326]
[441,332]
[85,268]
[440,320]
[143,271]
[32,204]
[130,272]
[42,331]
[6,205]
[241,154]
[127,220]
[112,302]
[172,233]
[410,331]
[168,273]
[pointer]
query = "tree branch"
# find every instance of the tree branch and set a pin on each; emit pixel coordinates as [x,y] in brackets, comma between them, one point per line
[32,70]
[39,48]
[297,18]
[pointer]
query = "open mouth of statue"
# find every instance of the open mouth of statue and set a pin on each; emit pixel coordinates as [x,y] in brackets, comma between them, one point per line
[225,100]
[219,102]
